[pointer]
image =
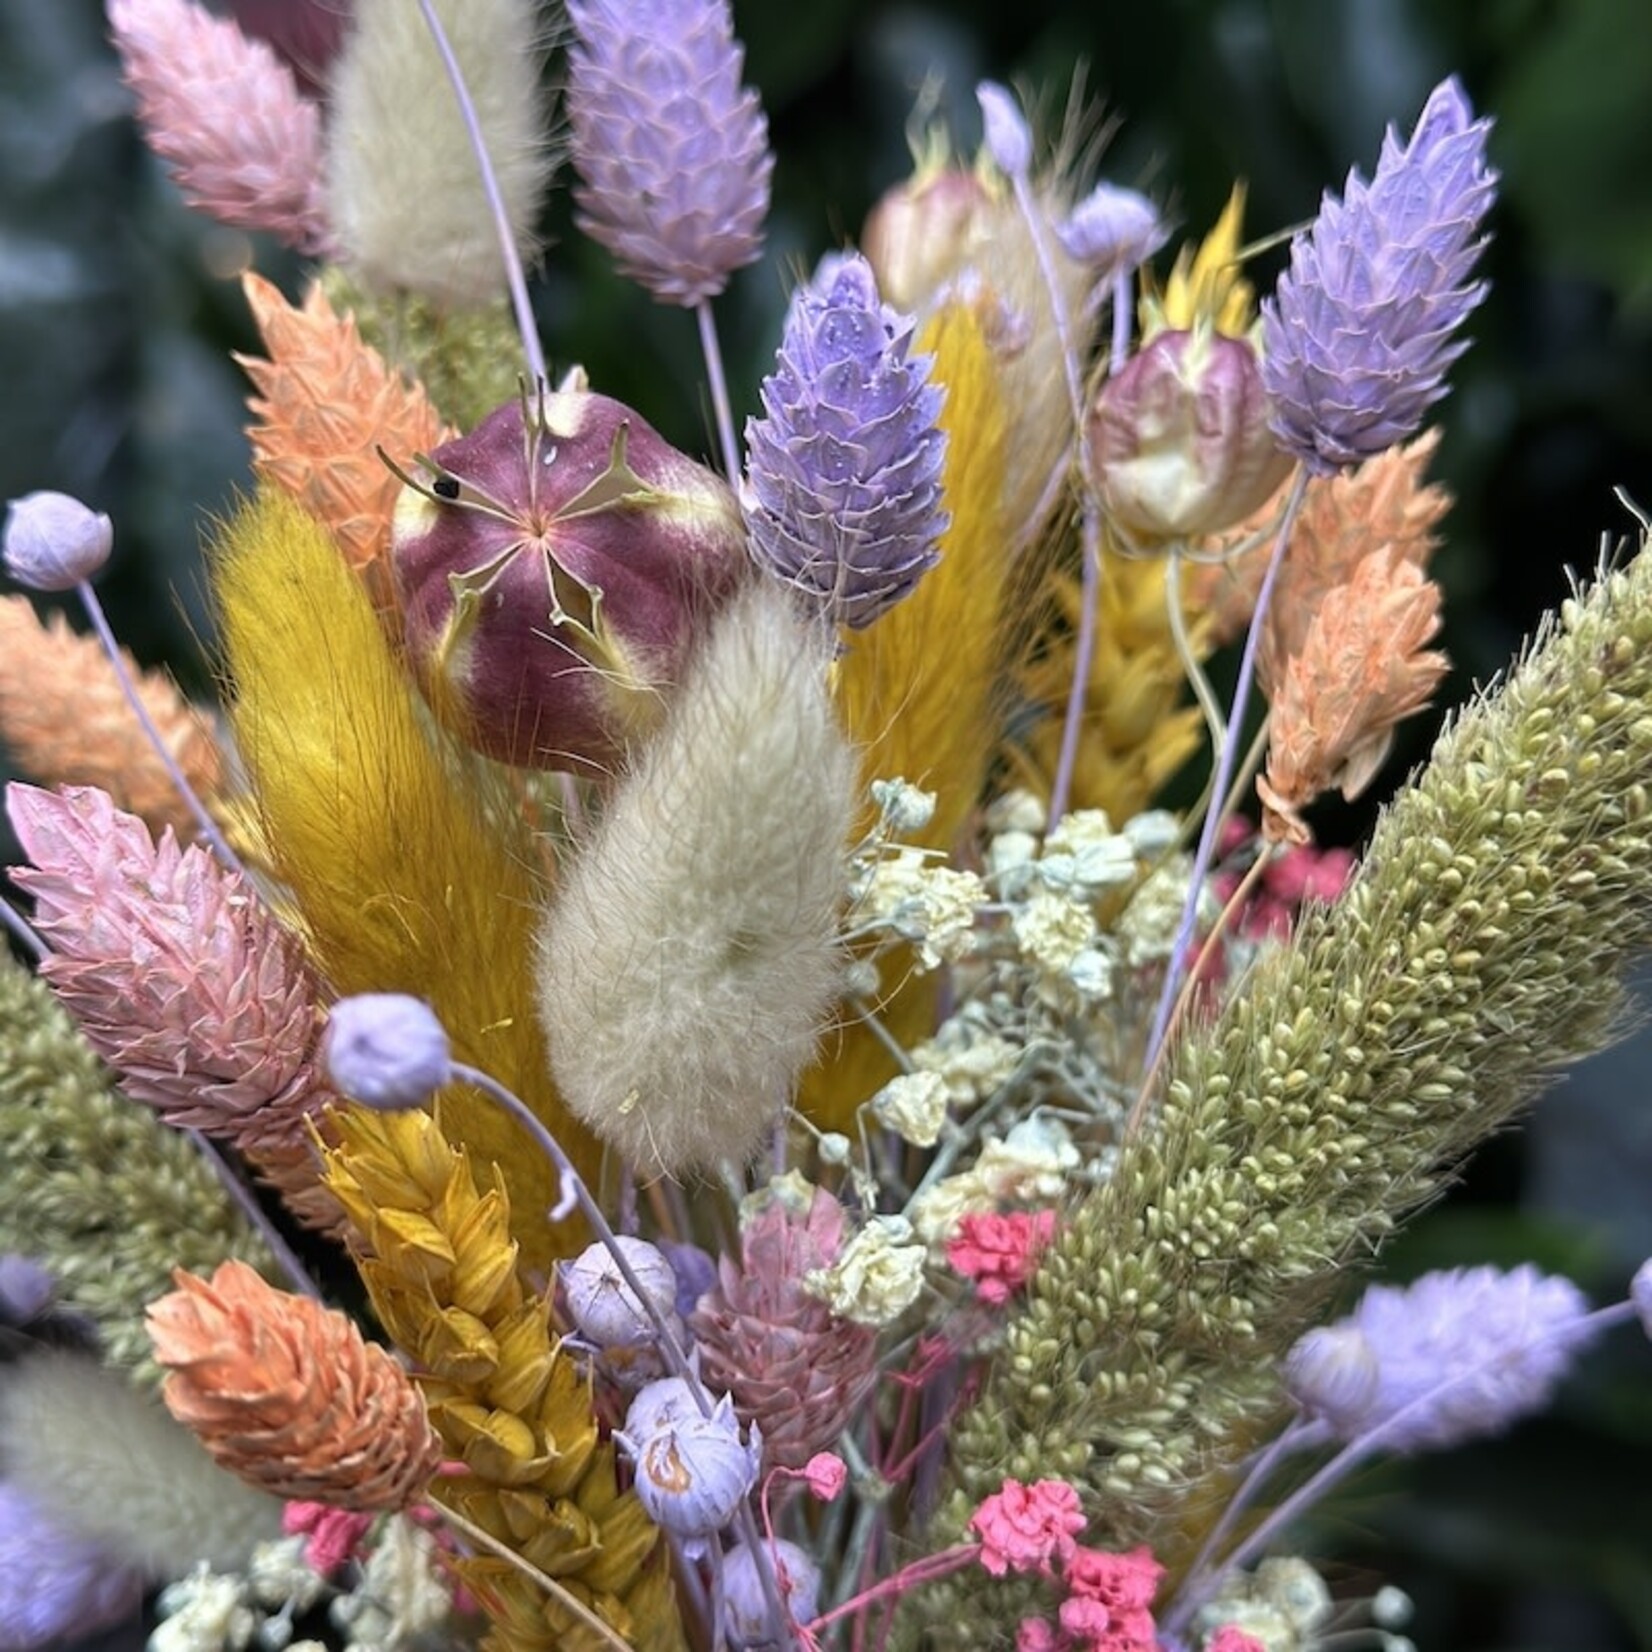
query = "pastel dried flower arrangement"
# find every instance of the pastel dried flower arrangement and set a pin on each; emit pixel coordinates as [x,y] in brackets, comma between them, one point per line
[828,1162]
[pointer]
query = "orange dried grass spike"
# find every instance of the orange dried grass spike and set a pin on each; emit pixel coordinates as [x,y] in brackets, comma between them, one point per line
[286,1394]
[67,723]
[326,403]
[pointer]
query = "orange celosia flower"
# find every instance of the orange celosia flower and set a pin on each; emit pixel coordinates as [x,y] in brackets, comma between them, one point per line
[286,1394]
[1361,667]
[326,403]
[67,723]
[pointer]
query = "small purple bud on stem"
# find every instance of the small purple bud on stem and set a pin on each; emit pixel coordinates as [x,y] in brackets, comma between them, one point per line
[1008,137]
[552,567]
[386,1050]
[54,543]
[1112,229]
[603,1306]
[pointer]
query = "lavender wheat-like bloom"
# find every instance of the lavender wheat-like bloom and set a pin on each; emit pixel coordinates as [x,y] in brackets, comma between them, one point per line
[1508,1339]
[1362,328]
[179,977]
[843,474]
[672,151]
[226,113]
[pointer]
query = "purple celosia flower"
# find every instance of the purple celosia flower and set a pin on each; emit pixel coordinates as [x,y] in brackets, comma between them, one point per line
[672,152]
[54,1585]
[843,471]
[1462,1353]
[1361,330]
[386,1050]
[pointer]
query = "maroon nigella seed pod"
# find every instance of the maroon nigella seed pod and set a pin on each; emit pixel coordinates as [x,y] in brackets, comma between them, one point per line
[552,567]
[1179,438]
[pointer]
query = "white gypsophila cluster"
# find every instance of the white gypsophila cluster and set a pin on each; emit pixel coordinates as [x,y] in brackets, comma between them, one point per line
[970,1056]
[916,898]
[1057,935]
[1032,1165]
[204,1612]
[405,1591]
[1146,929]
[914,1106]
[1283,1605]
[877,1276]
[902,807]
[279,1576]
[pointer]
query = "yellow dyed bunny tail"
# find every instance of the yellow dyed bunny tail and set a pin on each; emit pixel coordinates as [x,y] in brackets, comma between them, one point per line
[408,864]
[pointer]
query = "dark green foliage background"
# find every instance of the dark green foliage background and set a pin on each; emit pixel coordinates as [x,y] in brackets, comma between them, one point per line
[115,384]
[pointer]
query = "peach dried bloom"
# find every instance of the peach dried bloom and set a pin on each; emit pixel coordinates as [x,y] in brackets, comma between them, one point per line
[1362,667]
[285,1393]
[66,722]
[326,403]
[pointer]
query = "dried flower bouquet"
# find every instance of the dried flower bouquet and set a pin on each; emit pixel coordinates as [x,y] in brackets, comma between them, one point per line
[829,1163]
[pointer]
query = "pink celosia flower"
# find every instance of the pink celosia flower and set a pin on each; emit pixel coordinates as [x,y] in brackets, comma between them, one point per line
[1024,1528]
[227,115]
[999,1252]
[1231,1638]
[1035,1635]
[1108,1607]
[335,1535]
[825,1474]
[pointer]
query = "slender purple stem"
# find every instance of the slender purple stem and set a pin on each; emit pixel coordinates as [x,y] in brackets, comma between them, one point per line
[247,1201]
[209,827]
[712,350]
[532,353]
[1226,758]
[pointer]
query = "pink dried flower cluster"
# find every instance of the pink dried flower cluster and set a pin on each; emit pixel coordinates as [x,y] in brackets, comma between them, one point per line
[243,142]
[1231,1638]
[999,1252]
[335,1535]
[1301,873]
[1108,1606]
[1026,1528]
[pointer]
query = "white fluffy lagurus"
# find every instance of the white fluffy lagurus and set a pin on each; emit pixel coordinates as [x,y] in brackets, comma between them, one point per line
[402,192]
[690,957]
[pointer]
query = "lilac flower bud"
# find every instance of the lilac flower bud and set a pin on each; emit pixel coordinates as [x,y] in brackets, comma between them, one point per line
[53,542]
[1499,1343]
[672,151]
[386,1050]
[1360,331]
[843,475]
[605,1309]
[660,1405]
[922,232]
[1112,228]
[1008,137]
[26,1289]
[1179,439]
[750,1627]
[1640,1294]
[1333,1374]
[552,574]
[693,1472]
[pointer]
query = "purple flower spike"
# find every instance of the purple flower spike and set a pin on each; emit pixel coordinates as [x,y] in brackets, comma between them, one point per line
[843,471]
[1463,1353]
[1361,330]
[673,152]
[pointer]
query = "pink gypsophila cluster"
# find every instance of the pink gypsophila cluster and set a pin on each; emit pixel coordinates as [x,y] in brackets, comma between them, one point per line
[1108,1606]
[1025,1528]
[335,1535]
[999,1252]
[1231,1638]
